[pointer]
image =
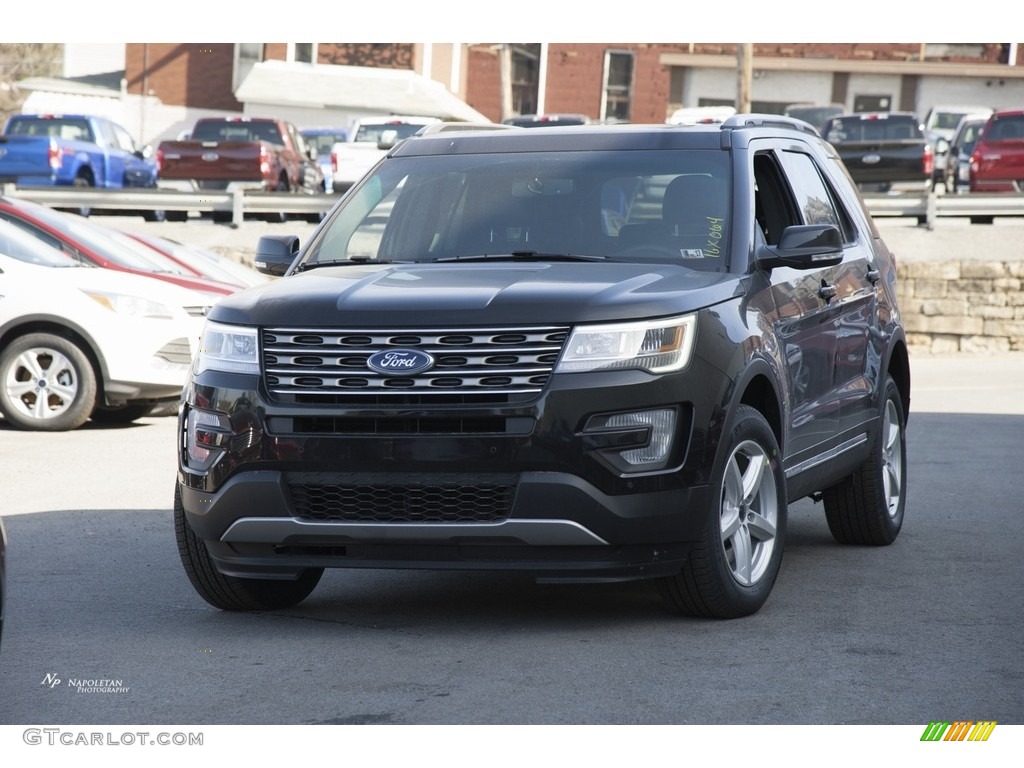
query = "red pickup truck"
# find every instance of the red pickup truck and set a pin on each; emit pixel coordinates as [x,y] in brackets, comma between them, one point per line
[225,152]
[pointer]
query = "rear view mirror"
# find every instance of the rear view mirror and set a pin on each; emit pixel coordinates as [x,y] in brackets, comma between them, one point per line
[275,253]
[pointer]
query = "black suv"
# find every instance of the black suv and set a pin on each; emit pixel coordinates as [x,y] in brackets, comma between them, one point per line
[591,353]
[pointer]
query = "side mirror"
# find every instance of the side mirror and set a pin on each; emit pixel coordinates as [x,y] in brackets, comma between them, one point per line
[146,152]
[312,153]
[387,139]
[941,146]
[804,246]
[275,254]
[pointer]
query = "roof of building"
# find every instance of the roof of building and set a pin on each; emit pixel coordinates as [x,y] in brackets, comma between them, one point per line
[101,84]
[329,86]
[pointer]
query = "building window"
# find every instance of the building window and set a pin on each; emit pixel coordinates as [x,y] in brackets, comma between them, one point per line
[246,55]
[525,78]
[863,102]
[618,85]
[304,53]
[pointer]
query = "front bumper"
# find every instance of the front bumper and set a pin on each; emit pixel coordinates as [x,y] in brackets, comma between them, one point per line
[547,494]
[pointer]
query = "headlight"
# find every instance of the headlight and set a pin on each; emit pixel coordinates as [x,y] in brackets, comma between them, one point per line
[657,346]
[227,348]
[130,305]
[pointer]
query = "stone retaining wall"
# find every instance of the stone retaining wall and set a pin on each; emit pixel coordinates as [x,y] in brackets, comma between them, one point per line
[962,306]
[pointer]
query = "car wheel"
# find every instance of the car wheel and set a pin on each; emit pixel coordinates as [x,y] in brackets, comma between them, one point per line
[123,415]
[867,507]
[82,181]
[48,383]
[279,217]
[731,570]
[231,593]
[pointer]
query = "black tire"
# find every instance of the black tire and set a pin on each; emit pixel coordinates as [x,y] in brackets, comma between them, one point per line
[123,415]
[230,593]
[279,217]
[731,570]
[867,507]
[983,219]
[83,180]
[175,215]
[46,383]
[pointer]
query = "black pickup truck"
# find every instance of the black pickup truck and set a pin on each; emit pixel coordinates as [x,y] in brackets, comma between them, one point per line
[881,149]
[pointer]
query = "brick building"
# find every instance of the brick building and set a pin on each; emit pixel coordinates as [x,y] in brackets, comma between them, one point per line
[166,86]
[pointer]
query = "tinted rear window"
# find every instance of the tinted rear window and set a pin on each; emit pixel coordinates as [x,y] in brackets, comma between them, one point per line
[847,129]
[1009,128]
[71,129]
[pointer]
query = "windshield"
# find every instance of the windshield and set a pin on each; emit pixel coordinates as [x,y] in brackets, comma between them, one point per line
[657,205]
[22,246]
[96,239]
[374,131]
[323,142]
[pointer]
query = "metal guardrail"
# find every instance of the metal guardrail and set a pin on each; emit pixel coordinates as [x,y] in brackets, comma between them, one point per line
[237,203]
[926,207]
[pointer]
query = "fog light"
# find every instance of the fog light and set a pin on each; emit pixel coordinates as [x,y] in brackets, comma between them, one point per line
[663,426]
[204,436]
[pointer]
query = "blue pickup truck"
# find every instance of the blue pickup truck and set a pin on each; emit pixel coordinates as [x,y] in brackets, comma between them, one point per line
[72,150]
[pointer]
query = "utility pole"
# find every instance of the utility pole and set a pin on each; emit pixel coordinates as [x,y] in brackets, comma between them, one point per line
[505,68]
[744,75]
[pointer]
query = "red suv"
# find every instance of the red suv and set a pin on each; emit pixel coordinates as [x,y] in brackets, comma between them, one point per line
[997,163]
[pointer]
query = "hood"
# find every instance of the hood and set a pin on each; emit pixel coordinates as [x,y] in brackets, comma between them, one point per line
[472,294]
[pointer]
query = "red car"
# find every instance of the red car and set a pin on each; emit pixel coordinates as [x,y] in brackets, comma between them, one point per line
[997,163]
[92,244]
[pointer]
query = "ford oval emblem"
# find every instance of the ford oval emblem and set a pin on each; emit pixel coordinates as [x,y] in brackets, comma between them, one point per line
[871,159]
[400,362]
[210,157]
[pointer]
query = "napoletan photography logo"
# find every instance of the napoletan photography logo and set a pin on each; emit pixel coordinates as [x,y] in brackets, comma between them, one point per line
[75,684]
[958,730]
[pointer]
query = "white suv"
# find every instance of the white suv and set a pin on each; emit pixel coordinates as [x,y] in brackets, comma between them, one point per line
[79,342]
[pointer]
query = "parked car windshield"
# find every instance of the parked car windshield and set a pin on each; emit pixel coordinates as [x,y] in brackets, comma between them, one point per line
[323,142]
[20,245]
[373,131]
[656,205]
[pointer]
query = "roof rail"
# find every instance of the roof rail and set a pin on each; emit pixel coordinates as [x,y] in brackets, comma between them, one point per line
[756,120]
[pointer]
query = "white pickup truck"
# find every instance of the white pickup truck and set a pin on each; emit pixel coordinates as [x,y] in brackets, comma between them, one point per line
[368,141]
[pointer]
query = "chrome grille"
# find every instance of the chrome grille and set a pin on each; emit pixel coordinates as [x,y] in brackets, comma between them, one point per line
[299,362]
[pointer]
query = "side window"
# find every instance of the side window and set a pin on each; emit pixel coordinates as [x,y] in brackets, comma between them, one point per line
[814,199]
[124,139]
[107,133]
[774,207]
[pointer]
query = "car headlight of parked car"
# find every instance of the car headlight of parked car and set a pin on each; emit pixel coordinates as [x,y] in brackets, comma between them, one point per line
[124,304]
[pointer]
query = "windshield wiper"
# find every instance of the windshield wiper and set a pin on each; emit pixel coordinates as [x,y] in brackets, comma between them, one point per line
[346,262]
[525,256]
